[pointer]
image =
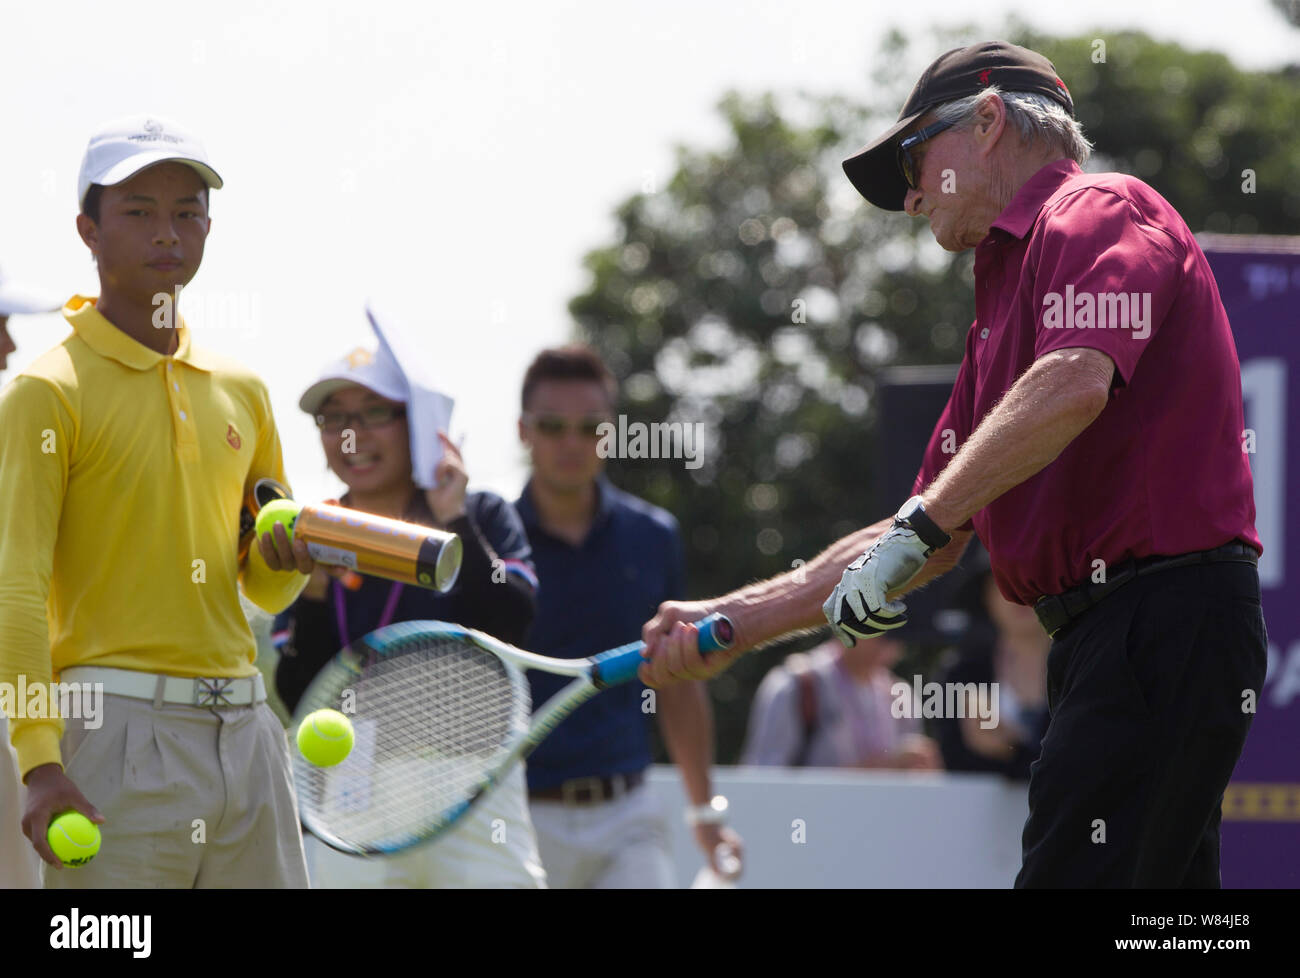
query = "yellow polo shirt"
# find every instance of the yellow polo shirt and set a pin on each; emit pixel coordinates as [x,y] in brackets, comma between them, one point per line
[122,473]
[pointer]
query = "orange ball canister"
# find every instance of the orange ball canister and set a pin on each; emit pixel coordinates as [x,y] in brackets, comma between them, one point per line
[381,547]
[374,545]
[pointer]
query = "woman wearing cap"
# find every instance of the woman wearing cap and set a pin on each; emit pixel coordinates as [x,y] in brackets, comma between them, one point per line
[360,405]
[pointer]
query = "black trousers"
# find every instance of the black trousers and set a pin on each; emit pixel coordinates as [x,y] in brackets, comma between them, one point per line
[1149,711]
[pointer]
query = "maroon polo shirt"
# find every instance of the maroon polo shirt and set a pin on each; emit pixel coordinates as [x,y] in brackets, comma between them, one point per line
[1162,469]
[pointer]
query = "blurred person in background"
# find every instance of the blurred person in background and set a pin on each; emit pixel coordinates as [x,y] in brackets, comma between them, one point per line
[360,404]
[19,864]
[606,560]
[831,707]
[17,299]
[1005,644]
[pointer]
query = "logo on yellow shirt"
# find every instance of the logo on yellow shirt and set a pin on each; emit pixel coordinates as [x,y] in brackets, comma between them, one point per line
[232,437]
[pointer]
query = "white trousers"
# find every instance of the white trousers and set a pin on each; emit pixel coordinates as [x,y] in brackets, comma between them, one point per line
[612,845]
[491,847]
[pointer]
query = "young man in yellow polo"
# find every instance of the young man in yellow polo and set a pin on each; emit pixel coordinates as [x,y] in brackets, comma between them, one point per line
[126,454]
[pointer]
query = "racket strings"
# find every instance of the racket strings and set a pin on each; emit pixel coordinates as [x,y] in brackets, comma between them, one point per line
[432,722]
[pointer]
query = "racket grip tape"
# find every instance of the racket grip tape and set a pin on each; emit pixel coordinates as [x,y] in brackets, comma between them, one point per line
[620,665]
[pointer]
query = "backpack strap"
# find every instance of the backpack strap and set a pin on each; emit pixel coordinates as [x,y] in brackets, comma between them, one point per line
[800,668]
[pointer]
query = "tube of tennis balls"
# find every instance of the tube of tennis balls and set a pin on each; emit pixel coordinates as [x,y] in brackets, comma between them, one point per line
[368,544]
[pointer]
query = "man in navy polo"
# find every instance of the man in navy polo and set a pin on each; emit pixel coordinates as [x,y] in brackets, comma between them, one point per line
[605,560]
[1093,440]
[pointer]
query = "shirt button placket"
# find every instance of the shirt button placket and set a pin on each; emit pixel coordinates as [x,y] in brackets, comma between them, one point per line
[186,436]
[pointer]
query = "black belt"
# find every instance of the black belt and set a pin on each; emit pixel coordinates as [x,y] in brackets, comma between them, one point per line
[1058,610]
[590,791]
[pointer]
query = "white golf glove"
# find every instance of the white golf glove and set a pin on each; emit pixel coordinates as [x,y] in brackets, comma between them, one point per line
[858,608]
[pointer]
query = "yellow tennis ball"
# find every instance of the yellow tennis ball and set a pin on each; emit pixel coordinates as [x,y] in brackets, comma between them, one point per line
[74,838]
[283,511]
[325,737]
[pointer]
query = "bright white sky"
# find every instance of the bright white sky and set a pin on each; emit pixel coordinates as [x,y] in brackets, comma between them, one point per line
[455,160]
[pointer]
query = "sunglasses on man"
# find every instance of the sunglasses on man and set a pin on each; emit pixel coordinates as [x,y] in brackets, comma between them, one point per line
[906,163]
[554,426]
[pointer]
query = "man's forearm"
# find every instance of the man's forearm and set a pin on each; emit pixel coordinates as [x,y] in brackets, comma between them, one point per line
[25,662]
[686,722]
[793,601]
[1046,409]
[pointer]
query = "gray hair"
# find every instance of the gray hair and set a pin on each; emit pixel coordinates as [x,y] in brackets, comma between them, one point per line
[1036,117]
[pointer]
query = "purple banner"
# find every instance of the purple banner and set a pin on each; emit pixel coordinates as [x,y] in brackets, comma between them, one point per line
[1259,280]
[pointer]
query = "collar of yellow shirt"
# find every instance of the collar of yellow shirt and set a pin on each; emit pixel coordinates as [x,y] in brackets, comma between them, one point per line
[110,342]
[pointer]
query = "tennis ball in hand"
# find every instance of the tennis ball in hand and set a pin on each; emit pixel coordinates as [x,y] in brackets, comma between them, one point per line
[283,511]
[325,737]
[74,838]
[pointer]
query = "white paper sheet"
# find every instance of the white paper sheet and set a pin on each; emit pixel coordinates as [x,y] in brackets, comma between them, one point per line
[428,410]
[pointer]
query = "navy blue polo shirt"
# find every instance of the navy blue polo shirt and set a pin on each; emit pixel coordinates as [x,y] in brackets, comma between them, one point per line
[590,598]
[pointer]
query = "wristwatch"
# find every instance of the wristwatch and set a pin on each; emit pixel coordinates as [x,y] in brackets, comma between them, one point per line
[712,812]
[913,517]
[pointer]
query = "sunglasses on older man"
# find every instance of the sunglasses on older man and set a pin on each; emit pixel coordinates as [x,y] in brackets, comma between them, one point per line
[908,165]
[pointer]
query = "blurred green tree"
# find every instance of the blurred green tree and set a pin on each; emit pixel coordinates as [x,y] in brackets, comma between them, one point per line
[757,294]
[1189,123]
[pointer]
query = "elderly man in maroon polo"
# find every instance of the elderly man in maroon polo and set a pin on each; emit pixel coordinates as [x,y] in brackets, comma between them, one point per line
[1092,439]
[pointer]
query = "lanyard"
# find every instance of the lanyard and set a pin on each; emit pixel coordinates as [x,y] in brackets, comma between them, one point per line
[341,614]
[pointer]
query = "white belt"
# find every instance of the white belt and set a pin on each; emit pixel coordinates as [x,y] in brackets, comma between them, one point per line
[171,689]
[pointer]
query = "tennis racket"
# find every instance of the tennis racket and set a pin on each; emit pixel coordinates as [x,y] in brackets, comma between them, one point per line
[441,713]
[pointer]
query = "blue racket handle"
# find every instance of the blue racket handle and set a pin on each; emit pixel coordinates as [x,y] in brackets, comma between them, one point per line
[716,633]
[620,665]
